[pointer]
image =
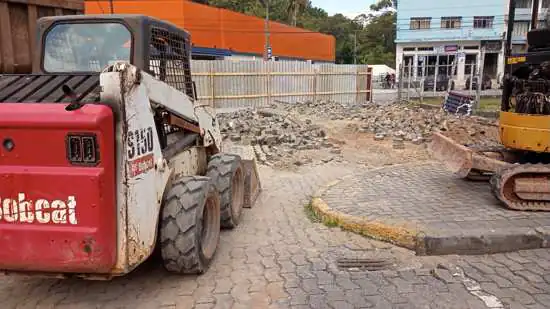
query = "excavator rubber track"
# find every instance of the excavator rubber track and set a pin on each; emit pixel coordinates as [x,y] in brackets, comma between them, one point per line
[523,186]
[518,186]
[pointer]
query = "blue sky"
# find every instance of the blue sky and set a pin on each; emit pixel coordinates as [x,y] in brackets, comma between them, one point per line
[346,7]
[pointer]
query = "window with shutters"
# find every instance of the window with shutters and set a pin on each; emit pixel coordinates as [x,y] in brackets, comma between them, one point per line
[418,23]
[451,22]
[483,21]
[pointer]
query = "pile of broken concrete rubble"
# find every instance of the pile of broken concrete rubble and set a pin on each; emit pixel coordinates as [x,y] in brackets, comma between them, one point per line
[282,130]
[276,135]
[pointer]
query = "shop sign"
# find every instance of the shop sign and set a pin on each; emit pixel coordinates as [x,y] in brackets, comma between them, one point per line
[451,48]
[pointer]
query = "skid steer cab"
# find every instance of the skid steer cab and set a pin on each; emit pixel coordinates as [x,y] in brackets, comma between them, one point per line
[106,155]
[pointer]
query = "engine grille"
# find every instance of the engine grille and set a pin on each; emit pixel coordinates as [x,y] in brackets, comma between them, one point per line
[32,88]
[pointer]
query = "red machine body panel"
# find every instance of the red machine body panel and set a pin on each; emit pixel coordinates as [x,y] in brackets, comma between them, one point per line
[56,216]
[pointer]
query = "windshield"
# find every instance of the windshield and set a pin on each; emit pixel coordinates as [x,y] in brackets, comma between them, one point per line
[85,47]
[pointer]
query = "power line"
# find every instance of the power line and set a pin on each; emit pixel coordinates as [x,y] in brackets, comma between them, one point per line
[402,10]
[494,28]
[403,26]
[455,7]
[202,28]
[218,21]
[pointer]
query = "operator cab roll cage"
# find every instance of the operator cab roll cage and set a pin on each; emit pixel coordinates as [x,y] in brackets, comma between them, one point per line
[157,47]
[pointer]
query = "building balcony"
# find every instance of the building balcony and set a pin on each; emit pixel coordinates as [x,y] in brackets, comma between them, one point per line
[525,14]
[438,34]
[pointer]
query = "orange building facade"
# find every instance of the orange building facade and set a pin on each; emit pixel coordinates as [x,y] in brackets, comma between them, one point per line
[219,33]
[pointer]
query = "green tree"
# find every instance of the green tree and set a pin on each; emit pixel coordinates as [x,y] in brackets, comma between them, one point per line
[377,40]
[296,7]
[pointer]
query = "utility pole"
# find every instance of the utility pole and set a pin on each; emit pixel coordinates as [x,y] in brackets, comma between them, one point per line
[535,15]
[267,54]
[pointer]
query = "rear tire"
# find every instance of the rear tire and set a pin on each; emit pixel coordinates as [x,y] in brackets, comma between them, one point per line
[227,172]
[190,225]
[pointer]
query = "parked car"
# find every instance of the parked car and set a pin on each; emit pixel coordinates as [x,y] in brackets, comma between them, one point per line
[441,85]
[486,84]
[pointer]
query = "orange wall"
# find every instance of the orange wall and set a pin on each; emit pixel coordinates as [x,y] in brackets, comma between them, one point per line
[224,29]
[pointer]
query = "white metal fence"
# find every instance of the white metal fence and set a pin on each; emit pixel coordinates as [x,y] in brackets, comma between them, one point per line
[236,84]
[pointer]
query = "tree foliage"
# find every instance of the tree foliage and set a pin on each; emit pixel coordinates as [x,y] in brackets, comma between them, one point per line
[372,35]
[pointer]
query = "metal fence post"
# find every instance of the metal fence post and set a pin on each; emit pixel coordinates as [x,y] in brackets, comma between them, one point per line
[212,86]
[400,82]
[369,84]
[410,71]
[479,79]
[315,78]
[269,81]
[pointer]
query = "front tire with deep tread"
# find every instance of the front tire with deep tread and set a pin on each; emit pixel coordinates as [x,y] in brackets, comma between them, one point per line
[190,225]
[227,173]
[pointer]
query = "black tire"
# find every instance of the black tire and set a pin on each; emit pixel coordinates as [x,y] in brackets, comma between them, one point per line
[190,225]
[227,173]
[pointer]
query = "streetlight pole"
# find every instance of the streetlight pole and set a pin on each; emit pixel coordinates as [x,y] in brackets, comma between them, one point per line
[267,52]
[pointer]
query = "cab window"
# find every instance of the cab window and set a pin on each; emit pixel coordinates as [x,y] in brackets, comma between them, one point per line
[85,47]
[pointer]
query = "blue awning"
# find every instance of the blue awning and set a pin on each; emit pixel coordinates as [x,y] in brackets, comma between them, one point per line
[206,51]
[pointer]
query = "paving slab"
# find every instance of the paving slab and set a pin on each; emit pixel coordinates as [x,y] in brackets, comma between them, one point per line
[424,207]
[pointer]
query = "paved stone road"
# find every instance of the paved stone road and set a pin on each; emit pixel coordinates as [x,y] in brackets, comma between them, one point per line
[457,216]
[426,194]
[278,259]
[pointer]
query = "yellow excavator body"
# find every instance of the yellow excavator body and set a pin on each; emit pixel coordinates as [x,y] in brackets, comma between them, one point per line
[525,132]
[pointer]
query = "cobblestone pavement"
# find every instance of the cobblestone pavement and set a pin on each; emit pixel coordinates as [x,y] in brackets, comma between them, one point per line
[277,258]
[427,196]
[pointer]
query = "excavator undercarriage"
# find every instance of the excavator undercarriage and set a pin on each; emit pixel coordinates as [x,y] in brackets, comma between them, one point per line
[518,169]
[518,179]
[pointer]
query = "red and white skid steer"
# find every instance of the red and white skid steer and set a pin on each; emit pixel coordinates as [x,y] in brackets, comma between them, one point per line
[106,154]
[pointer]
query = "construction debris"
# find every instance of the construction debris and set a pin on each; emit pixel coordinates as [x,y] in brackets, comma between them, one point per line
[412,123]
[281,132]
[275,135]
[271,129]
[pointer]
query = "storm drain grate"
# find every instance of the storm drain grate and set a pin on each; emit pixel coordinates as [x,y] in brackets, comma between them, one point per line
[364,264]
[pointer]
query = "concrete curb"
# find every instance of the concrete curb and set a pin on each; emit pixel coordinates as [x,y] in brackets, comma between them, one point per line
[398,235]
[425,242]
[475,242]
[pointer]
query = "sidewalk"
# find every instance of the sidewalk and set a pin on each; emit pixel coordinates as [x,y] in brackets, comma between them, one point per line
[422,207]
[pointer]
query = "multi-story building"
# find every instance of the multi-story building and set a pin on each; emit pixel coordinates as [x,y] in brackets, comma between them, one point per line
[522,21]
[434,35]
